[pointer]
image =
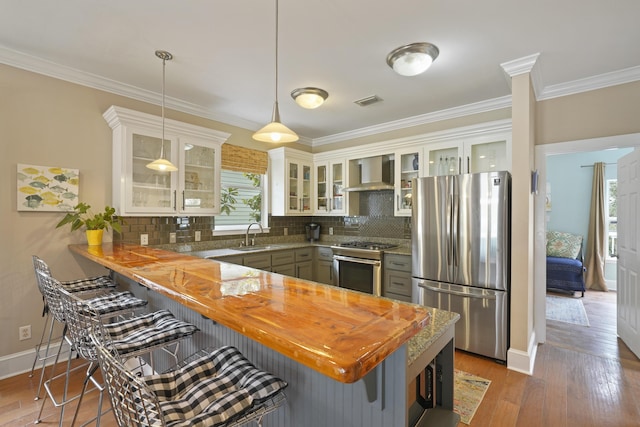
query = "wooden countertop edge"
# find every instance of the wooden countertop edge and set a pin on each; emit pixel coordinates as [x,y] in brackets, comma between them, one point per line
[345,372]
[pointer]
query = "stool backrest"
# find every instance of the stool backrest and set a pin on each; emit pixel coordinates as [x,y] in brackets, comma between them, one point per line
[80,319]
[40,266]
[132,402]
[50,289]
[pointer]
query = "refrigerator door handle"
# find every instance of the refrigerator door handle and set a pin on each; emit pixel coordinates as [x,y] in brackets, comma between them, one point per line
[462,294]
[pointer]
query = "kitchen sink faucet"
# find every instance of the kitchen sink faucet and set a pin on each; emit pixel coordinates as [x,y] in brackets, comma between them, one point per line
[246,236]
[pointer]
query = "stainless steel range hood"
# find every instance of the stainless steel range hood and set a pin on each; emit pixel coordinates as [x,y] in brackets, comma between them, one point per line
[376,173]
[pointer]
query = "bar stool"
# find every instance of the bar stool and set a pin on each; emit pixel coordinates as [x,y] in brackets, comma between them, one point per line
[132,337]
[212,388]
[81,285]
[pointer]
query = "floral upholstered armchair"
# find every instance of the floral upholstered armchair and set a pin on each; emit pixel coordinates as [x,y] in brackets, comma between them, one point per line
[565,262]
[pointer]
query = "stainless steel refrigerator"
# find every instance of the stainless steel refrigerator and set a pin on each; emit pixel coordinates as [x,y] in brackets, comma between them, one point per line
[461,248]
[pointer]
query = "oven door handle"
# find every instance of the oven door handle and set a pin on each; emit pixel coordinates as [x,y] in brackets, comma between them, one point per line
[356,260]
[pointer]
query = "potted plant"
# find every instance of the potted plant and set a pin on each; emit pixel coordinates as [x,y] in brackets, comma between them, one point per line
[95,224]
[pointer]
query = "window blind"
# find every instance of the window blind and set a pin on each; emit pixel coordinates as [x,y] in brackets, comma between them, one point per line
[241,159]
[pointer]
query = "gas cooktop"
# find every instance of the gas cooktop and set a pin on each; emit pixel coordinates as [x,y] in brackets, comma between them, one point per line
[372,246]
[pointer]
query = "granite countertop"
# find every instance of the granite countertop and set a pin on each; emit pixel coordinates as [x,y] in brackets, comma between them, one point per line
[347,335]
[215,249]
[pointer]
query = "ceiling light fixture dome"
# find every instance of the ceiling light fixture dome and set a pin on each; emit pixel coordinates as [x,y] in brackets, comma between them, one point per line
[161,164]
[412,59]
[275,131]
[309,97]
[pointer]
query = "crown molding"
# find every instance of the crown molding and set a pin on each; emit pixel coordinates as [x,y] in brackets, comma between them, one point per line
[526,64]
[511,68]
[72,75]
[451,113]
[613,78]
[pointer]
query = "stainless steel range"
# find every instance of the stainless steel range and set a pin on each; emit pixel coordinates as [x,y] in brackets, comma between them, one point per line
[358,266]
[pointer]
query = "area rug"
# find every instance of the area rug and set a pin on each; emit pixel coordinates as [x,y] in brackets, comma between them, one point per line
[468,393]
[568,310]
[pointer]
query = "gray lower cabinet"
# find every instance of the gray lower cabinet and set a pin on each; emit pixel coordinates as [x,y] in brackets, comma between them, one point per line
[304,263]
[232,259]
[397,277]
[323,268]
[283,262]
[295,263]
[261,261]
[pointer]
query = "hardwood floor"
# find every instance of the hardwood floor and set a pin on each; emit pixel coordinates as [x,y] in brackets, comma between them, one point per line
[583,376]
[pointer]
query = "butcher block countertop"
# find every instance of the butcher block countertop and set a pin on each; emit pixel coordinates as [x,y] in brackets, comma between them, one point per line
[340,333]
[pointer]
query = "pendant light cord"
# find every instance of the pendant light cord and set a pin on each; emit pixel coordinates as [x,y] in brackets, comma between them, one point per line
[164,64]
[276,97]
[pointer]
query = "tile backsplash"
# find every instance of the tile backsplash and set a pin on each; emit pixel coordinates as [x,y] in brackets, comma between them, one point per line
[375,220]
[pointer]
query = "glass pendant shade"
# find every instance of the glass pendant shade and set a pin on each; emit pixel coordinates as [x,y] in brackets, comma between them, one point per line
[275,131]
[162,165]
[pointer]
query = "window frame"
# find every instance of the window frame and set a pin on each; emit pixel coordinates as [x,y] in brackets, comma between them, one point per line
[611,236]
[226,230]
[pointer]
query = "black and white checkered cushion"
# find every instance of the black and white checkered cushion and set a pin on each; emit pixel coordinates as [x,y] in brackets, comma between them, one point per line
[88,284]
[212,389]
[115,301]
[147,330]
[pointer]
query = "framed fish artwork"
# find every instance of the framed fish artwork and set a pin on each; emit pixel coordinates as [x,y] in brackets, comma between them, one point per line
[47,188]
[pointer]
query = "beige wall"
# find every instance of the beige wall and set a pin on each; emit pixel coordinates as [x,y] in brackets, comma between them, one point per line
[598,113]
[45,121]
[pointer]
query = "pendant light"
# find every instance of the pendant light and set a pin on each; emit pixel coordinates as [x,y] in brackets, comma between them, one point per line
[162,164]
[275,131]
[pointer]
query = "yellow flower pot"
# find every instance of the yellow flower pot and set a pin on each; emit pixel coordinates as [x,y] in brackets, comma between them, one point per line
[94,237]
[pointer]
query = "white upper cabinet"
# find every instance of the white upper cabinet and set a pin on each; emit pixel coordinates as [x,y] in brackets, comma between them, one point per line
[137,190]
[329,180]
[291,182]
[408,165]
[485,154]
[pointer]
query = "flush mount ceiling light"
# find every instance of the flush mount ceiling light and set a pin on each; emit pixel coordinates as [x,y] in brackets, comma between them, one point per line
[161,164]
[309,97]
[412,59]
[275,131]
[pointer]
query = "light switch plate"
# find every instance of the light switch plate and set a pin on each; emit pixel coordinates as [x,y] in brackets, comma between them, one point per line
[172,237]
[144,239]
[198,235]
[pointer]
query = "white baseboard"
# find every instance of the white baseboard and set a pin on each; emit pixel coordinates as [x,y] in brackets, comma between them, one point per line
[520,361]
[19,363]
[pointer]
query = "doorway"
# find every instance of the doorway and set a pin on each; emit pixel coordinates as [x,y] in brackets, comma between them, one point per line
[543,154]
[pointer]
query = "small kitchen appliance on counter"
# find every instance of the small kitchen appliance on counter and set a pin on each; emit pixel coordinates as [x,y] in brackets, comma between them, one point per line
[312,231]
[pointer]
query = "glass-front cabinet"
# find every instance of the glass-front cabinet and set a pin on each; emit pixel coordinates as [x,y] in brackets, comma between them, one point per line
[408,165]
[329,185]
[137,190]
[479,155]
[291,182]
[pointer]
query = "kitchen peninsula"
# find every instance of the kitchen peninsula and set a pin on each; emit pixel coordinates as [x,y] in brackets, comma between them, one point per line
[349,358]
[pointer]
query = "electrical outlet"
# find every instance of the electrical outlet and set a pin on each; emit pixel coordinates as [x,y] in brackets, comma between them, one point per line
[331,231]
[198,235]
[286,231]
[144,239]
[24,332]
[172,237]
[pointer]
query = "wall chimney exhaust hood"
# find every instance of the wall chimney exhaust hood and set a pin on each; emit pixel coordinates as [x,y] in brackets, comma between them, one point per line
[376,173]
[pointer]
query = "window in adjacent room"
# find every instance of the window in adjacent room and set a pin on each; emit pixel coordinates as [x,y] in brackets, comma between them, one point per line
[612,217]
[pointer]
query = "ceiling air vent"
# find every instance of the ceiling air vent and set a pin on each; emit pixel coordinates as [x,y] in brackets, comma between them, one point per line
[364,102]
